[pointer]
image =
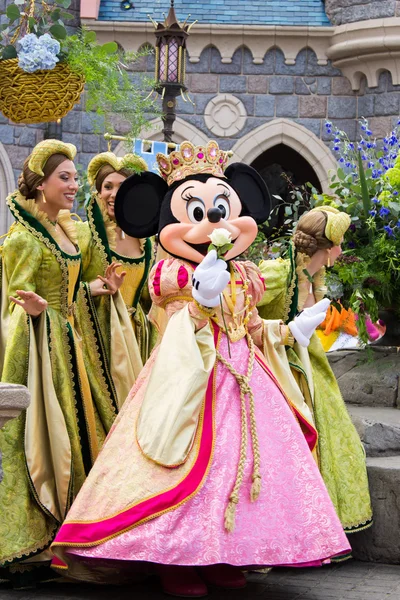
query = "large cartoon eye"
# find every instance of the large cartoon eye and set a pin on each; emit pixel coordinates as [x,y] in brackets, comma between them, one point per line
[196,210]
[222,203]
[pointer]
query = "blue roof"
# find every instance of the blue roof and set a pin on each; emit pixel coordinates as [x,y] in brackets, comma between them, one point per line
[240,12]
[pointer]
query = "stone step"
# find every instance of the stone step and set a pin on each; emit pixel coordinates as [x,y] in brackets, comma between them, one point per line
[381,542]
[378,428]
[368,378]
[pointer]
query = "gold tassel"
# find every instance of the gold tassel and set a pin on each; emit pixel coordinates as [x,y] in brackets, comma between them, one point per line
[230,513]
[255,488]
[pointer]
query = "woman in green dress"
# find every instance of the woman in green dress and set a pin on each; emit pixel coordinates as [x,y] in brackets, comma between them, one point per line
[47,451]
[294,284]
[120,320]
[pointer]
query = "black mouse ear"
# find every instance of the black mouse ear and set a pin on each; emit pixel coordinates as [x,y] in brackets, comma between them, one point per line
[138,204]
[251,189]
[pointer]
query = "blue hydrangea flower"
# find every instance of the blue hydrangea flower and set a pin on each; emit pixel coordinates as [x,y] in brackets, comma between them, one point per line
[36,54]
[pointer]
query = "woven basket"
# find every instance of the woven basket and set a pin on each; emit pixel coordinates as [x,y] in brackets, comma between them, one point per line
[37,97]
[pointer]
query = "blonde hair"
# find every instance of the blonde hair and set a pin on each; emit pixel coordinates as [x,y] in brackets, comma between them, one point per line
[310,233]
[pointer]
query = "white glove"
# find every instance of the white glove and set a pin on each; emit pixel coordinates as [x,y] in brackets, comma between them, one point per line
[304,325]
[210,278]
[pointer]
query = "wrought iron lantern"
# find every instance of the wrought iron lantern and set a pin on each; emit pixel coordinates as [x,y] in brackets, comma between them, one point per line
[170,66]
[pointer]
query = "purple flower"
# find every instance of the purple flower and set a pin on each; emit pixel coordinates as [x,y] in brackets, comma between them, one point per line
[384,212]
[389,230]
[352,227]
[351,245]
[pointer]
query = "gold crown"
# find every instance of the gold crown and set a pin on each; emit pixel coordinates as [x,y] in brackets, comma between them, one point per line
[189,160]
[42,152]
[130,161]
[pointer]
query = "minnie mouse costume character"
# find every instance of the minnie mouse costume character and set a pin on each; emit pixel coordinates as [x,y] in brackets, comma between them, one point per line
[206,469]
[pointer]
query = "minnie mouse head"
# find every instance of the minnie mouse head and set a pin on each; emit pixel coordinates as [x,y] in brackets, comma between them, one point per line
[194,196]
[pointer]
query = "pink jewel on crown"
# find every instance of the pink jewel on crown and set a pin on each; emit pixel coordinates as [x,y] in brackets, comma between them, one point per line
[190,160]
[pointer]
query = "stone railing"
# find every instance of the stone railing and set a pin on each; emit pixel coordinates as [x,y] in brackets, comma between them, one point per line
[13,400]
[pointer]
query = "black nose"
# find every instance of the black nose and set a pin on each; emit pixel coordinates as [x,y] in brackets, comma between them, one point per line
[214,215]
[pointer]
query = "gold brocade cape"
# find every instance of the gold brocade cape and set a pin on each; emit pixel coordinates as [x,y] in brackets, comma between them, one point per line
[48,450]
[119,321]
[341,456]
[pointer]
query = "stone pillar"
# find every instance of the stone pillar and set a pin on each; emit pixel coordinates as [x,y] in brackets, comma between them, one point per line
[13,400]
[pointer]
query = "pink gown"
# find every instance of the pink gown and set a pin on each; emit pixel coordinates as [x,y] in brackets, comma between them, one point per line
[131,510]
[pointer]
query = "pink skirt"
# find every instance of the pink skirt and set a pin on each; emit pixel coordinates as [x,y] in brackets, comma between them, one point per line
[293,522]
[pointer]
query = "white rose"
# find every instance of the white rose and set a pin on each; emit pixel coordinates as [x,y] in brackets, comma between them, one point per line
[220,237]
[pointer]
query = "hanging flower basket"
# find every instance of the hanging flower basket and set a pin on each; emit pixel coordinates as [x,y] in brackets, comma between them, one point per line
[40,96]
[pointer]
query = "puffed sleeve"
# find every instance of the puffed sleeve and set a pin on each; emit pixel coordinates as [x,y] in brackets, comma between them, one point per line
[22,257]
[276,274]
[85,243]
[262,331]
[170,287]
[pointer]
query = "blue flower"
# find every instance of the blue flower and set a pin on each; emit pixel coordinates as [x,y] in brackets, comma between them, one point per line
[398,224]
[389,230]
[369,132]
[384,212]
[341,159]
[38,53]
[351,245]
[336,148]
[395,193]
[375,200]
[364,127]
[372,213]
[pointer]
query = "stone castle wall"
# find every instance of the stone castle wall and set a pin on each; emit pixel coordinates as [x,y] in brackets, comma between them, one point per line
[306,92]
[349,11]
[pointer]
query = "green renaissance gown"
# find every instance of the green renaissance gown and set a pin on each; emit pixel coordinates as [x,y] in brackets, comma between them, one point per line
[49,449]
[120,319]
[340,453]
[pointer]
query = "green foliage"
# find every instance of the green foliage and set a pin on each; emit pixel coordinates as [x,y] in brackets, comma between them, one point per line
[367,276]
[273,242]
[109,89]
[84,192]
[25,16]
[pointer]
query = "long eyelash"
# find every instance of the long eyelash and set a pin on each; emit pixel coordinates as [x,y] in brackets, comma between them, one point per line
[226,193]
[187,197]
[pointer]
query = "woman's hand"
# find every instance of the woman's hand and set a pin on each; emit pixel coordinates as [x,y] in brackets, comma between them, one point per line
[110,283]
[32,303]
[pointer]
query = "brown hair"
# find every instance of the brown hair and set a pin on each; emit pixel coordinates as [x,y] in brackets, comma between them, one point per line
[310,233]
[105,171]
[28,181]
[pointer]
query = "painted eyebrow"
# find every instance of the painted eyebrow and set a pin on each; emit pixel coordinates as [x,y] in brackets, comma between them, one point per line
[190,187]
[223,185]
